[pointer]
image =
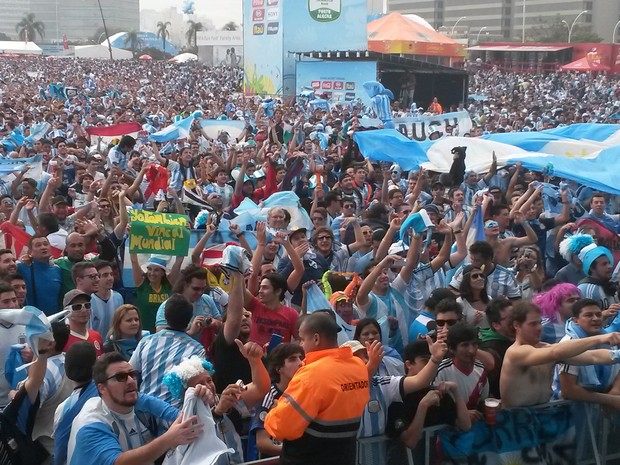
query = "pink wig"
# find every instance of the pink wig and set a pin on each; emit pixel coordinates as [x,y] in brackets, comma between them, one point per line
[550,301]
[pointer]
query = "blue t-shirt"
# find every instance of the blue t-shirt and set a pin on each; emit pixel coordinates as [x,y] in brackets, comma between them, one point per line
[44,291]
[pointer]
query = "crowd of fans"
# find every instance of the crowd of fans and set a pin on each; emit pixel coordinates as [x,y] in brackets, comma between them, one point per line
[392,252]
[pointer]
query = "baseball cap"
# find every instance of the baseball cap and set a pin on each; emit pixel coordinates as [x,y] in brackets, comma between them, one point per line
[296,230]
[59,199]
[72,295]
[354,345]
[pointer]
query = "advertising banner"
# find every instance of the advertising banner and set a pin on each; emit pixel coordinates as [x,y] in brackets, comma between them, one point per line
[337,81]
[263,47]
[158,233]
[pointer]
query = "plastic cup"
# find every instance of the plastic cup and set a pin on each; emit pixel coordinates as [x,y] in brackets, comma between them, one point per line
[491,406]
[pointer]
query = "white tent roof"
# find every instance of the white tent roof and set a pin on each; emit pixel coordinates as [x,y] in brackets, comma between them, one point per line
[19,47]
[101,51]
[184,57]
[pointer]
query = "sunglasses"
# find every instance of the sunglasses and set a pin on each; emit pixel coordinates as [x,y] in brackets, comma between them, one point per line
[122,377]
[446,322]
[477,276]
[79,307]
[92,277]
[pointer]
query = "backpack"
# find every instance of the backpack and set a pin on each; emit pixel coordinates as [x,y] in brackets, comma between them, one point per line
[17,448]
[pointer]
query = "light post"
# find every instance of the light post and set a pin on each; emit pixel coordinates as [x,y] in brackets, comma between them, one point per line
[523,25]
[105,30]
[613,34]
[478,36]
[457,21]
[566,24]
[570,31]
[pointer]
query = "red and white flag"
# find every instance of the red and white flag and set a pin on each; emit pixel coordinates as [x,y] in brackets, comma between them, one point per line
[116,131]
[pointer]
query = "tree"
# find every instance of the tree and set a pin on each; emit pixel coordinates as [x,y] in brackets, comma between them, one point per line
[162,31]
[133,42]
[4,37]
[230,26]
[192,33]
[28,28]
[557,31]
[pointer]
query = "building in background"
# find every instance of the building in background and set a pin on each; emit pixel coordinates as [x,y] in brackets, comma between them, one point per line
[78,20]
[503,19]
[220,48]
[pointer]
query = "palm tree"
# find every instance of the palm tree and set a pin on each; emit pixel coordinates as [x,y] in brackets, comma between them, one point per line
[133,41]
[230,26]
[28,28]
[162,31]
[192,32]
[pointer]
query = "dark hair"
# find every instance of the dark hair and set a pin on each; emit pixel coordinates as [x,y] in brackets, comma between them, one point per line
[99,264]
[278,282]
[101,365]
[598,194]
[582,303]
[436,296]
[483,248]
[322,230]
[277,357]
[332,196]
[394,192]
[362,324]
[5,286]
[5,251]
[549,284]
[189,272]
[60,331]
[323,325]
[178,312]
[415,349]
[127,142]
[520,311]
[461,332]
[34,238]
[452,190]
[449,305]
[495,308]
[49,222]
[79,268]
[497,209]
[465,287]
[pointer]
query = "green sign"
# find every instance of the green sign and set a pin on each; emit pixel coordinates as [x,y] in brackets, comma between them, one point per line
[325,11]
[158,233]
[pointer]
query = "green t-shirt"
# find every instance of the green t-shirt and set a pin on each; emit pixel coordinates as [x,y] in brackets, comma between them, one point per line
[148,301]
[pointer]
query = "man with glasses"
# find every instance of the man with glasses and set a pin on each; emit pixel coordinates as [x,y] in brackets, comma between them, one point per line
[79,319]
[422,323]
[340,223]
[123,426]
[86,277]
[6,206]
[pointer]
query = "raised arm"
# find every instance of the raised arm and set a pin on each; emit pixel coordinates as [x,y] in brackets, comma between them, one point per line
[121,227]
[261,383]
[412,260]
[234,312]
[136,270]
[46,196]
[492,171]
[369,281]
[388,239]
[444,253]
[200,246]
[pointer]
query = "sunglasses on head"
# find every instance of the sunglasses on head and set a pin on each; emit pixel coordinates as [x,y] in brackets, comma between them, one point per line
[451,322]
[122,377]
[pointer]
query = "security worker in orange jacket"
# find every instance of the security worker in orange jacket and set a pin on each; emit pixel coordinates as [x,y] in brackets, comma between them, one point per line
[318,416]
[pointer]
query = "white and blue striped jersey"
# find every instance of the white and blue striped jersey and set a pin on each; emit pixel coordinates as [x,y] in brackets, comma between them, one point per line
[501,282]
[53,377]
[597,293]
[102,312]
[99,436]
[205,306]
[470,191]
[383,391]
[158,353]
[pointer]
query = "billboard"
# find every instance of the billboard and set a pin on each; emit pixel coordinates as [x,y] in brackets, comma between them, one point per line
[338,81]
[220,48]
[263,47]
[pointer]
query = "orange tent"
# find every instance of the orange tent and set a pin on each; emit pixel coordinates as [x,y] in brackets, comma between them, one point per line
[585,64]
[394,33]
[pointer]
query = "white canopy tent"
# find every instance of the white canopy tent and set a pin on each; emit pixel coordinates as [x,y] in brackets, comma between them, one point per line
[101,51]
[19,47]
[184,58]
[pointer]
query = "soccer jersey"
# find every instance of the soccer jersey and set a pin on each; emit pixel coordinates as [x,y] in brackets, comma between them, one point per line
[9,335]
[597,293]
[158,353]
[92,337]
[472,386]
[102,311]
[99,436]
[258,421]
[383,391]
[501,282]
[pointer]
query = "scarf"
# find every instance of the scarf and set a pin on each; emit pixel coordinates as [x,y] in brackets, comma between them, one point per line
[591,377]
[63,430]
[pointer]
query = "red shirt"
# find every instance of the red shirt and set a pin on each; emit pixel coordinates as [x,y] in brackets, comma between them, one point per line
[267,321]
[92,337]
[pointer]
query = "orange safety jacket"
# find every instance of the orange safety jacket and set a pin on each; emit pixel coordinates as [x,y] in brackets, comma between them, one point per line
[319,414]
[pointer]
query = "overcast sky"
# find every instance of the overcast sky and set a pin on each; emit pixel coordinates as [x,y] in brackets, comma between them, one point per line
[220,11]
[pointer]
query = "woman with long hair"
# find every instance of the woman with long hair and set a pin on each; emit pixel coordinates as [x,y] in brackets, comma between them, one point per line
[125,332]
[474,298]
[556,306]
[530,271]
[369,330]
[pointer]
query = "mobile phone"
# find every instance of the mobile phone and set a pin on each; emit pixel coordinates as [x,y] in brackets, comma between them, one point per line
[274,342]
[400,262]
